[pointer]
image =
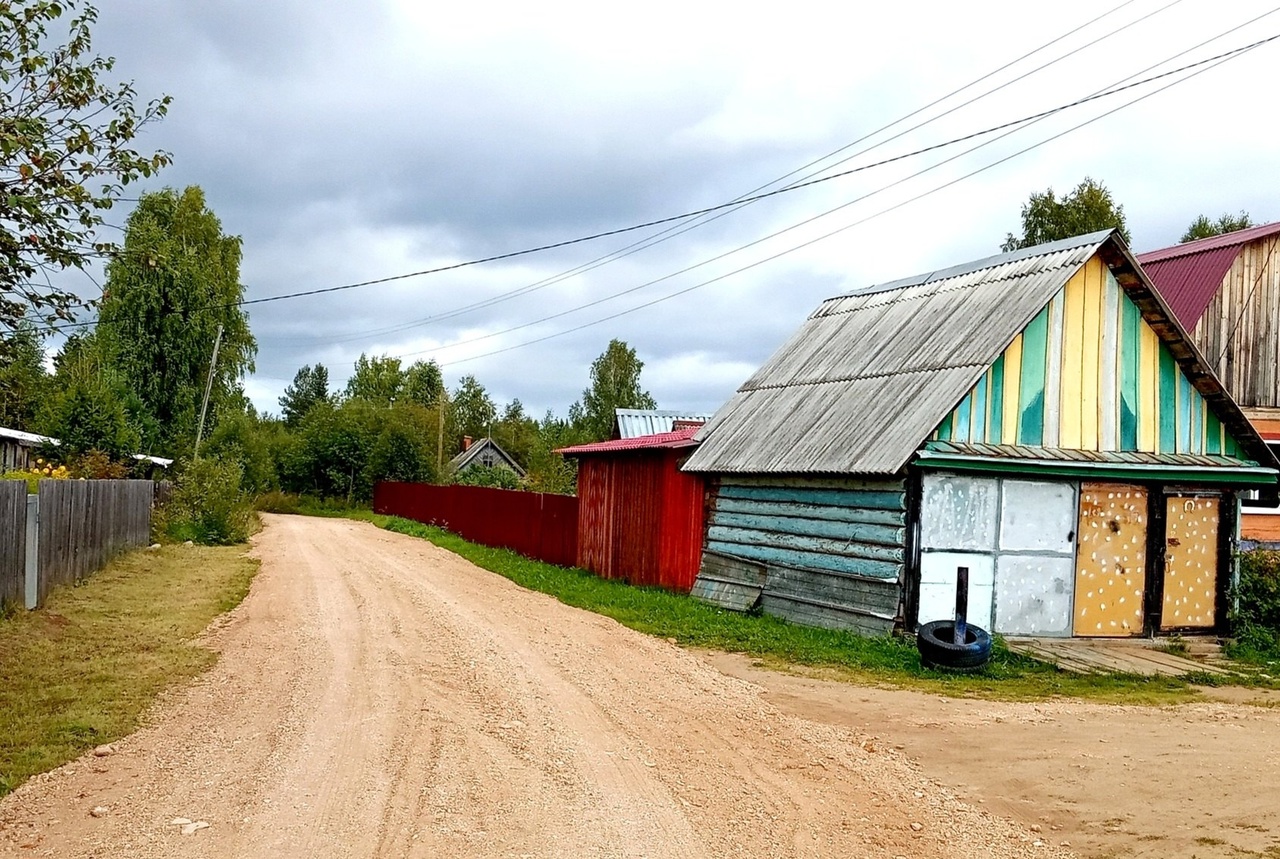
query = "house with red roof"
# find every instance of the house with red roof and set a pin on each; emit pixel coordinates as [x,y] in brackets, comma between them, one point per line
[1225,290]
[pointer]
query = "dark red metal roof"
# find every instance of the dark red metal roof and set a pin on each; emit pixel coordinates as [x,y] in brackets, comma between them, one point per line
[1188,275]
[679,438]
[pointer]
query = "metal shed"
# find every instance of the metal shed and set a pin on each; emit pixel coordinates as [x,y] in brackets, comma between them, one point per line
[640,518]
[1039,417]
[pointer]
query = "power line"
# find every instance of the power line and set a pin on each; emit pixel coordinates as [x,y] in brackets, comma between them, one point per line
[1202,68]
[741,201]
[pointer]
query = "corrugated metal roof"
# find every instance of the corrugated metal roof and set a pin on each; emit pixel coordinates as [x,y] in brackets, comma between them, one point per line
[1189,283]
[677,438]
[869,375]
[633,423]
[1226,240]
[1108,457]
[31,439]
[1189,275]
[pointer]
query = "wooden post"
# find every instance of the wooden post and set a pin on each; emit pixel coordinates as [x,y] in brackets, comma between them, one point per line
[33,552]
[961,628]
[208,388]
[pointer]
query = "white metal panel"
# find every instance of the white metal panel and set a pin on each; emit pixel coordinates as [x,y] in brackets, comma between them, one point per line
[1033,594]
[938,586]
[958,512]
[1037,516]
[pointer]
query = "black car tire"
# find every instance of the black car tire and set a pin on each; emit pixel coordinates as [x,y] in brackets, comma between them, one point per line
[937,648]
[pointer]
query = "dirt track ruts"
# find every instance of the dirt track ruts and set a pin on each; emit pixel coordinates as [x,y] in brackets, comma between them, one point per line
[378,696]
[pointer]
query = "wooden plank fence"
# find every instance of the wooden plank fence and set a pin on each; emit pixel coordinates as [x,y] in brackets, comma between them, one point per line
[13,540]
[82,524]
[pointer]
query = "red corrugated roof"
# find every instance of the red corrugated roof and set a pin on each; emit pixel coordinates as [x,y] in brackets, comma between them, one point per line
[1189,275]
[679,438]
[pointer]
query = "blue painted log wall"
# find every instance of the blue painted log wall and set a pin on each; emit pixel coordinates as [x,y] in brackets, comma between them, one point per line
[834,549]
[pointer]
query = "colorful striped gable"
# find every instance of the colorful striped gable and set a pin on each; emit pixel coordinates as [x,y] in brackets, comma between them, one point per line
[1088,373]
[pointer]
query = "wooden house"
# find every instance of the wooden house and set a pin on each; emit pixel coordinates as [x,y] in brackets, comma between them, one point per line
[640,518]
[1225,291]
[484,453]
[1039,417]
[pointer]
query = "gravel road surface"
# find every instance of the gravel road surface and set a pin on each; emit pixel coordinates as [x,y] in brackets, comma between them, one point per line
[378,696]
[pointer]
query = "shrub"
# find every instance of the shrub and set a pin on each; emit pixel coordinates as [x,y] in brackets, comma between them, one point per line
[1256,618]
[207,505]
[276,501]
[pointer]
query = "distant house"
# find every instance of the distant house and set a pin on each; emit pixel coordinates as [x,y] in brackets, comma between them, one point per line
[1039,417]
[485,452]
[633,423]
[1225,291]
[17,450]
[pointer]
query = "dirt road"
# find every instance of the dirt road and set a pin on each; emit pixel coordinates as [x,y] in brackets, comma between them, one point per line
[1198,780]
[380,697]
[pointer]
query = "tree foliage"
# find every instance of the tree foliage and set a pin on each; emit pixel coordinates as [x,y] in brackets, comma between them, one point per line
[423,383]
[24,384]
[1203,228]
[377,380]
[473,410]
[309,388]
[65,156]
[1089,207]
[175,281]
[615,384]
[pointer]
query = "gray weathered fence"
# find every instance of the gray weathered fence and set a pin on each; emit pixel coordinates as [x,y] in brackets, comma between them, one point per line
[80,526]
[13,540]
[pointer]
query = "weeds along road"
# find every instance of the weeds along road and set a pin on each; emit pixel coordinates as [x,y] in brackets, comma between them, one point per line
[377,696]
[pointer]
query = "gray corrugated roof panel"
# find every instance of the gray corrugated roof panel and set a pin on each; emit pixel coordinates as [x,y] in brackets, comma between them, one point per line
[869,375]
[633,423]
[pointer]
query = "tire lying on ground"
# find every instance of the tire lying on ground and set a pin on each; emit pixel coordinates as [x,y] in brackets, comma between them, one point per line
[935,641]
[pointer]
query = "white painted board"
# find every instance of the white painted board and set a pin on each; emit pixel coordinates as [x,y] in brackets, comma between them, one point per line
[1033,594]
[1037,516]
[938,586]
[958,512]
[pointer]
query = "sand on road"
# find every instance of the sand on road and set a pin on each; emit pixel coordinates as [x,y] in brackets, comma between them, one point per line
[377,696]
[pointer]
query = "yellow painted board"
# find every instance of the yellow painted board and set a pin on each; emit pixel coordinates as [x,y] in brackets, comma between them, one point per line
[1012,385]
[1091,341]
[1148,389]
[1111,560]
[1191,562]
[1072,345]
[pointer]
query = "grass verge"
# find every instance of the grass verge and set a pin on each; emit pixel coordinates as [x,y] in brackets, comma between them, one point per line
[779,644]
[83,670]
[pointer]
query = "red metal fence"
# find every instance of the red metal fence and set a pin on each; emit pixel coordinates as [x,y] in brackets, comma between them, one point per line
[535,524]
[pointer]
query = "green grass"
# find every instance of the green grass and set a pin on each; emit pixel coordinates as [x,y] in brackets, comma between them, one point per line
[82,671]
[779,644]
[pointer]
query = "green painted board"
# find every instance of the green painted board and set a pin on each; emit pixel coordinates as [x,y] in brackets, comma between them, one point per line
[1130,333]
[1035,343]
[960,429]
[1168,402]
[978,418]
[996,429]
[1213,434]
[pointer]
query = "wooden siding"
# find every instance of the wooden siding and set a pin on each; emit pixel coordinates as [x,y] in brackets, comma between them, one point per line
[85,523]
[1239,332]
[1260,527]
[13,541]
[833,550]
[1088,373]
[640,519]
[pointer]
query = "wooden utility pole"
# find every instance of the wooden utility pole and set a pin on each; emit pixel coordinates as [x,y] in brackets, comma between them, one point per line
[208,388]
[444,401]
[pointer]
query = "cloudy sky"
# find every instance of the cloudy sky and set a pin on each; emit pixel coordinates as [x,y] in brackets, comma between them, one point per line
[352,141]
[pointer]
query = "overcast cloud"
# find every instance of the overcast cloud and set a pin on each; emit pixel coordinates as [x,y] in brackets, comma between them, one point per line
[363,140]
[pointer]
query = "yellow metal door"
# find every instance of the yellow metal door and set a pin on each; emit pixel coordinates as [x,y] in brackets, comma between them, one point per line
[1111,560]
[1190,562]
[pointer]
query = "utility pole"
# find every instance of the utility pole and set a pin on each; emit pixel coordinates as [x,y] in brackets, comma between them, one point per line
[443,401]
[208,388]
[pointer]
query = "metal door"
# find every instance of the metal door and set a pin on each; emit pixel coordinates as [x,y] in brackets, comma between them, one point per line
[1190,562]
[1111,560]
